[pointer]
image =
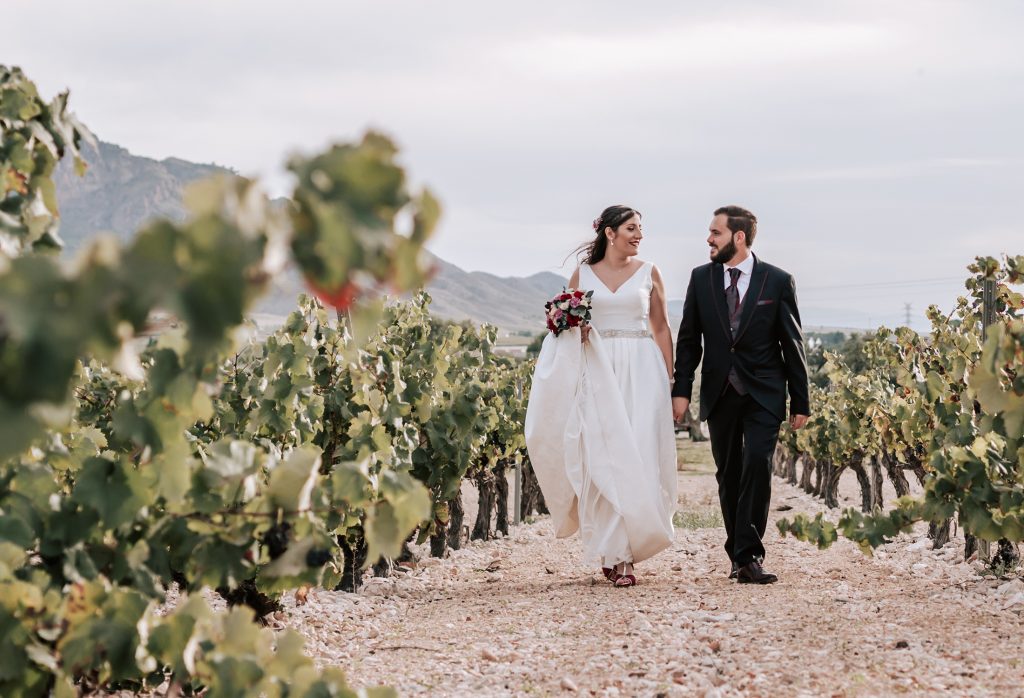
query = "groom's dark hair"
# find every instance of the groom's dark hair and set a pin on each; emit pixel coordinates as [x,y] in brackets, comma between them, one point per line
[739,219]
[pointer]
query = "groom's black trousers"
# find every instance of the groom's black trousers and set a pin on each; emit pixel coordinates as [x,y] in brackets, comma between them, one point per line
[743,437]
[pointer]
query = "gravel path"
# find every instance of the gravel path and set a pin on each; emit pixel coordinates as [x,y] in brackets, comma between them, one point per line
[519,616]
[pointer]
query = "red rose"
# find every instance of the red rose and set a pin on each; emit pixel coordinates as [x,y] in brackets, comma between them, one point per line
[573,321]
[579,294]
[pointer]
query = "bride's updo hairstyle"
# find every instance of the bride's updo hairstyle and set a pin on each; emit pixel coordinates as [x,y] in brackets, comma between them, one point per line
[612,217]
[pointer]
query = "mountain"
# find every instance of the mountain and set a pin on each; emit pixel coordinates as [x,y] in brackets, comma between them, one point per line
[121,191]
[514,304]
[511,303]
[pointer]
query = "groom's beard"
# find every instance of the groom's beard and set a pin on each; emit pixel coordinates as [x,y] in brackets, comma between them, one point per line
[726,253]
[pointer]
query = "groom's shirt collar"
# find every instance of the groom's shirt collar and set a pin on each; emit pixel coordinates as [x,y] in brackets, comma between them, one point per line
[746,266]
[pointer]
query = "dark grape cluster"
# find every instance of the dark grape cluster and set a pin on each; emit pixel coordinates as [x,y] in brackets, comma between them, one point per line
[276,539]
[318,557]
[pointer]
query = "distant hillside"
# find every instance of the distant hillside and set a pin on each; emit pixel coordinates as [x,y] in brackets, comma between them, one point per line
[121,191]
[512,303]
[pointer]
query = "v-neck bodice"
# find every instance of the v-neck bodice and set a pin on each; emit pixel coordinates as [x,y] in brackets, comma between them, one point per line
[627,308]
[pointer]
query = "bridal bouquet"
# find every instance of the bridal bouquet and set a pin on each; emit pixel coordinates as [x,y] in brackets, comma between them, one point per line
[570,308]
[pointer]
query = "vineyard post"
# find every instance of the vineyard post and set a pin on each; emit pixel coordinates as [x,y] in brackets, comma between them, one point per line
[988,317]
[988,306]
[518,496]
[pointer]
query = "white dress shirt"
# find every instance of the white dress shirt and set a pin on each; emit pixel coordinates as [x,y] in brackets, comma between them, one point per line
[745,267]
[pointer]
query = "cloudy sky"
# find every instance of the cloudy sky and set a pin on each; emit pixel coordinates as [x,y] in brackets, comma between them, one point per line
[879,143]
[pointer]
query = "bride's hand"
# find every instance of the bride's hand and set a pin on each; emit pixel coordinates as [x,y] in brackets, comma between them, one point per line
[585,333]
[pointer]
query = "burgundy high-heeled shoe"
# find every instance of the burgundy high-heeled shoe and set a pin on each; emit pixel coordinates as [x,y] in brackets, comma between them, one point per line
[625,580]
[610,574]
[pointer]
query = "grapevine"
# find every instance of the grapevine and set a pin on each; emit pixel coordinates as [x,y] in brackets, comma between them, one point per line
[125,470]
[947,406]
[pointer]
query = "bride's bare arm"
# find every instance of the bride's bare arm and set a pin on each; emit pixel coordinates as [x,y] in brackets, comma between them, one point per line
[659,319]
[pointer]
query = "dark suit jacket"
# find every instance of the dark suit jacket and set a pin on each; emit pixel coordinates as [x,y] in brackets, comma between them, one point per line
[768,350]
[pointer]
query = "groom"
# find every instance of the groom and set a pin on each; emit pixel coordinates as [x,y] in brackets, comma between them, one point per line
[741,313]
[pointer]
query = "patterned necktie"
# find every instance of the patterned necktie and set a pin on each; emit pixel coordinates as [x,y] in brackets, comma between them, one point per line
[732,299]
[732,294]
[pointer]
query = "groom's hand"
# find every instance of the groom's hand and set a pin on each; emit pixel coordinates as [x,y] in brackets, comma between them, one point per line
[680,406]
[797,421]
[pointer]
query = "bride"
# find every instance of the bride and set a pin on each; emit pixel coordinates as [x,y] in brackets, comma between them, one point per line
[599,425]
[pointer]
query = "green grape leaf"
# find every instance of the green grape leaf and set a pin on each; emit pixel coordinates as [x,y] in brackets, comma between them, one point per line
[113,489]
[291,482]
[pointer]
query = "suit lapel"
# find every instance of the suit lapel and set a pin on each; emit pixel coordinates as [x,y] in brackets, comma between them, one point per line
[718,298]
[758,277]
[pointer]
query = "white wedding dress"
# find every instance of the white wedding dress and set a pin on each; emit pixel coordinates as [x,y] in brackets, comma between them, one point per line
[599,428]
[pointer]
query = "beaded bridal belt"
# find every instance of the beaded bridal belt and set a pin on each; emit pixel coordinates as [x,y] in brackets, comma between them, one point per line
[620,334]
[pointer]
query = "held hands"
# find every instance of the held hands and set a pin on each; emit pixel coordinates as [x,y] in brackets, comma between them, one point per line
[585,333]
[680,406]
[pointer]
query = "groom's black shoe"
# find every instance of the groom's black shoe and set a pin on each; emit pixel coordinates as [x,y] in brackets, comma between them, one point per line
[752,573]
[735,571]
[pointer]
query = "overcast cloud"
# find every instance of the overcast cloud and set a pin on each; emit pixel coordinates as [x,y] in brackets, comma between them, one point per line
[878,142]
